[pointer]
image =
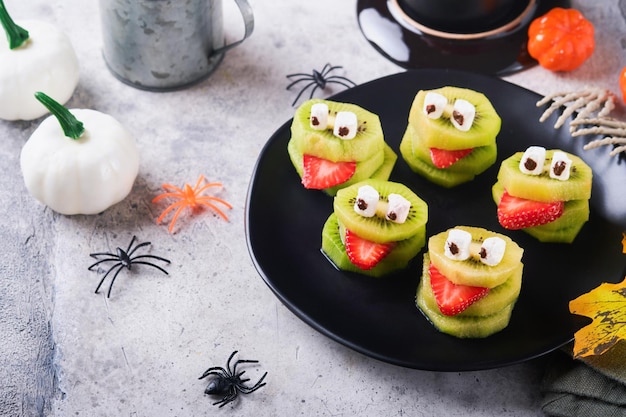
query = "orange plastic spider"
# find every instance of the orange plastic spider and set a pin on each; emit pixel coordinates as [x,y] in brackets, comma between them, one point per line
[189,197]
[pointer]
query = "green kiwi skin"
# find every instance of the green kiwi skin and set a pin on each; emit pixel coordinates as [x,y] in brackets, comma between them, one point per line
[323,144]
[378,229]
[441,177]
[498,298]
[476,162]
[542,187]
[464,327]
[562,230]
[397,260]
[472,271]
[440,133]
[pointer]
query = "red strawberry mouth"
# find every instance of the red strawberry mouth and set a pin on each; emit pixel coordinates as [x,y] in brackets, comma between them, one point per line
[364,253]
[321,173]
[516,213]
[452,298]
[443,158]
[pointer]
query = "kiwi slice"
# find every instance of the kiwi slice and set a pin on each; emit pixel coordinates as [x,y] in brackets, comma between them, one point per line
[463,326]
[442,177]
[377,228]
[543,188]
[398,259]
[497,299]
[441,133]
[476,162]
[368,141]
[562,230]
[472,271]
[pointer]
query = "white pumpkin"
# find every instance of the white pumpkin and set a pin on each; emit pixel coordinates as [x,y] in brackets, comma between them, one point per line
[45,62]
[84,175]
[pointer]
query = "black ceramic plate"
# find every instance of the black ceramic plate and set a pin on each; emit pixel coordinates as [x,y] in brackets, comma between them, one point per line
[378,317]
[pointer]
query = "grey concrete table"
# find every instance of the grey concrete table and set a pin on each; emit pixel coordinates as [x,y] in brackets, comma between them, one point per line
[65,351]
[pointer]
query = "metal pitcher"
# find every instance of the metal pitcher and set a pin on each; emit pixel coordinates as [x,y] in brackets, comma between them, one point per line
[165,45]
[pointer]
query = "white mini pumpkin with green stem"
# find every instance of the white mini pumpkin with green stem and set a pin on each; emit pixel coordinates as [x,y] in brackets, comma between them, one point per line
[36,56]
[79,161]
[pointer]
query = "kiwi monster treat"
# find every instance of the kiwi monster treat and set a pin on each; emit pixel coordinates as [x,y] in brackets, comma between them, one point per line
[451,135]
[334,145]
[471,279]
[545,193]
[376,228]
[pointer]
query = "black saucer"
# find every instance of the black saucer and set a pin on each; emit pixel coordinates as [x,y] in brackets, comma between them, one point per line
[499,49]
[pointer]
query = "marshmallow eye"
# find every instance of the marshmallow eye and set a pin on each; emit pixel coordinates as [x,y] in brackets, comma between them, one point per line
[366,201]
[319,116]
[492,251]
[434,105]
[560,166]
[457,246]
[463,114]
[345,125]
[397,208]
[533,160]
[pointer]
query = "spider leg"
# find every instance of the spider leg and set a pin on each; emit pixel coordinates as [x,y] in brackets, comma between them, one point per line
[112,281]
[259,384]
[214,207]
[118,265]
[212,184]
[175,217]
[103,260]
[228,398]
[131,244]
[230,358]
[341,80]
[302,91]
[198,183]
[150,264]
[165,195]
[306,78]
[150,256]
[313,91]
[242,361]
[173,188]
[328,69]
[130,252]
[170,208]
[214,370]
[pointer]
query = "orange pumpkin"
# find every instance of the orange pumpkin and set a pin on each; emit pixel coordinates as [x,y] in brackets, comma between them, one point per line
[561,40]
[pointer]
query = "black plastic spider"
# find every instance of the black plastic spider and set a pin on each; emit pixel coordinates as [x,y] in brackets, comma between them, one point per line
[228,382]
[319,79]
[124,258]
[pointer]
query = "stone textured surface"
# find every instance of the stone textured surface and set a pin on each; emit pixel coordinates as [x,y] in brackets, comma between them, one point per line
[65,351]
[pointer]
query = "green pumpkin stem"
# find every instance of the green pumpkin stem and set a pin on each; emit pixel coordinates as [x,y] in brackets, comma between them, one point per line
[16,35]
[72,127]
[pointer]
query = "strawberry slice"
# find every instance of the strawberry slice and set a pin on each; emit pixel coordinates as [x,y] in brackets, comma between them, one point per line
[519,213]
[321,173]
[364,253]
[453,298]
[443,158]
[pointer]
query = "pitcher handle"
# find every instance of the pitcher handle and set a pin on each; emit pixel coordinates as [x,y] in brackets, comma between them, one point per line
[248,20]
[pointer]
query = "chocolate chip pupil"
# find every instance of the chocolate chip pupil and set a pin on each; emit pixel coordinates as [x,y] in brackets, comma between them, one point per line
[454,249]
[315,121]
[483,253]
[458,117]
[559,167]
[530,164]
[392,215]
[431,108]
[344,131]
[361,204]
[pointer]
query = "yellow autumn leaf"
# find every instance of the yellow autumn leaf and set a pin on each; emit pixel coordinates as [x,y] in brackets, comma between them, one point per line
[606,306]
